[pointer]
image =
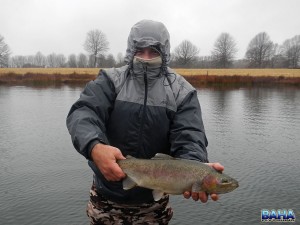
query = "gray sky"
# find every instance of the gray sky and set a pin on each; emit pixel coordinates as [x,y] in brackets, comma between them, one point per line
[60,26]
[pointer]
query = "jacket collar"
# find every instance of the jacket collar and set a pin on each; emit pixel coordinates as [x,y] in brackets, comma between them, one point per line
[141,68]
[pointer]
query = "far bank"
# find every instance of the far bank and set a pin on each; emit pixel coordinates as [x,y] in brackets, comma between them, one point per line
[197,77]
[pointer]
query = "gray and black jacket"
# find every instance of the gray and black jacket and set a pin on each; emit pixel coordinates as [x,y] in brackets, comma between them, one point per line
[140,109]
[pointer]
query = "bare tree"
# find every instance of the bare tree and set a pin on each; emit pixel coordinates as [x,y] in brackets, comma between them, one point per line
[106,61]
[72,62]
[82,61]
[185,53]
[277,59]
[205,62]
[55,60]
[29,61]
[39,59]
[291,50]
[96,43]
[120,59]
[18,61]
[51,60]
[4,53]
[60,60]
[91,61]
[260,50]
[224,50]
[110,61]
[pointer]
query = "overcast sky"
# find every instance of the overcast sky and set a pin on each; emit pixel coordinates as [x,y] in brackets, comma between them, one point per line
[60,26]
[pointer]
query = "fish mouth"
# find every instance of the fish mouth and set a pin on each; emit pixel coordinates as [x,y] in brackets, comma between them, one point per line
[232,186]
[230,183]
[234,183]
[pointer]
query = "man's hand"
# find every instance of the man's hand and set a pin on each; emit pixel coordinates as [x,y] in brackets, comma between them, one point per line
[202,195]
[105,157]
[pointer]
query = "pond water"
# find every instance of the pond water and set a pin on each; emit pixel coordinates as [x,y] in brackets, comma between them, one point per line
[253,132]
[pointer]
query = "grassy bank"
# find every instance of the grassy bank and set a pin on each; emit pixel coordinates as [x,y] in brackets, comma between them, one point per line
[198,77]
[47,75]
[241,77]
[241,72]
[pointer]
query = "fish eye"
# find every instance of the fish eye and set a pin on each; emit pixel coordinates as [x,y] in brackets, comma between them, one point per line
[224,180]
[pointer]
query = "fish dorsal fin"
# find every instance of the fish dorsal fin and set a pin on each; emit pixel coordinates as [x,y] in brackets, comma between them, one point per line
[157,194]
[130,157]
[128,183]
[162,156]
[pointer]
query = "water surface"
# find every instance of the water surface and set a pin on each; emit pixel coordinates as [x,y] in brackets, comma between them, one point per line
[253,132]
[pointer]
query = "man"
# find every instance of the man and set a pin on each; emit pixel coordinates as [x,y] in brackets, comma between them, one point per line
[140,109]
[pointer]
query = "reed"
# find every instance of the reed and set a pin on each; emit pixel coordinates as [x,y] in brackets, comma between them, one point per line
[47,75]
[197,77]
[241,72]
[46,71]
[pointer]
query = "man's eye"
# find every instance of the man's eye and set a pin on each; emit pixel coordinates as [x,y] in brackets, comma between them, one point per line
[154,52]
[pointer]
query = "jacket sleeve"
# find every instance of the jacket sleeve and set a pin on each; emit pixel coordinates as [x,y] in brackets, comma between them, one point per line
[89,114]
[187,134]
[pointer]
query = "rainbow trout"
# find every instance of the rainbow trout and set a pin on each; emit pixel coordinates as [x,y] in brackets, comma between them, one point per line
[165,174]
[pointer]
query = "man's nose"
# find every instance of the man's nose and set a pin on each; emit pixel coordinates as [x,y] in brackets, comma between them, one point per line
[147,55]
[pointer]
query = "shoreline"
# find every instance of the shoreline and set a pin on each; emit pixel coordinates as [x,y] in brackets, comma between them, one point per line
[197,77]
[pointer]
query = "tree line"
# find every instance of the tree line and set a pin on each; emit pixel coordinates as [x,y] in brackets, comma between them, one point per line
[261,52]
[54,60]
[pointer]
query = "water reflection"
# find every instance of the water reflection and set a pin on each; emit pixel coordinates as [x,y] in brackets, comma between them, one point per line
[253,132]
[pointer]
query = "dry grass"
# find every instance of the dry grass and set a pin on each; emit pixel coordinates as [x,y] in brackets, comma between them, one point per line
[62,71]
[184,72]
[197,77]
[242,72]
[47,75]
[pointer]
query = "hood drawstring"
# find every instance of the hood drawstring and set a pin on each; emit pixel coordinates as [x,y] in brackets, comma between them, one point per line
[167,76]
[164,71]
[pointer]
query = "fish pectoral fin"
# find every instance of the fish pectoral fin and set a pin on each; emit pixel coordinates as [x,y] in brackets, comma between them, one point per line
[157,194]
[162,156]
[197,186]
[128,183]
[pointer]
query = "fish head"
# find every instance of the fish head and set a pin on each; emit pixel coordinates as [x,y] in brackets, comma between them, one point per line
[218,184]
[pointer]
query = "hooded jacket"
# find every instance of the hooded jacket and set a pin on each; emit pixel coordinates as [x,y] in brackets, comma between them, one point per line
[141,109]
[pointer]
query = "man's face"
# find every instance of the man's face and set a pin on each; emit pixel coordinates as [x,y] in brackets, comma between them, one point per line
[147,53]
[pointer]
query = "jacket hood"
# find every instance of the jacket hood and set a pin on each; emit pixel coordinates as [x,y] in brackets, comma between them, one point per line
[148,33]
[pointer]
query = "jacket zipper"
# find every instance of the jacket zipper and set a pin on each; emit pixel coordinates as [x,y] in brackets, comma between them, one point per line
[144,108]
